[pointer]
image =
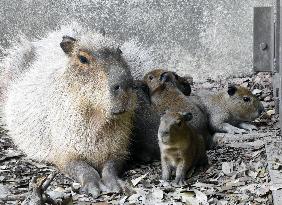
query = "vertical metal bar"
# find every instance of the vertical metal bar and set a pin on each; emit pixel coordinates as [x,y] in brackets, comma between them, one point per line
[280,104]
[276,61]
[279,57]
[276,66]
[263,39]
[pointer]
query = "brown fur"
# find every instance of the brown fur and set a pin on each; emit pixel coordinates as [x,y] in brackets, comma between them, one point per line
[112,132]
[96,114]
[228,110]
[166,96]
[182,83]
[104,101]
[76,109]
[180,145]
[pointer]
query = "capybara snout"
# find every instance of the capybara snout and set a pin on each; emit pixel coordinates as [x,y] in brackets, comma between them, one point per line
[121,91]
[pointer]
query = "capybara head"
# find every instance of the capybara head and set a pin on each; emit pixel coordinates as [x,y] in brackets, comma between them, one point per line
[242,103]
[98,76]
[173,126]
[180,82]
[152,79]
[158,78]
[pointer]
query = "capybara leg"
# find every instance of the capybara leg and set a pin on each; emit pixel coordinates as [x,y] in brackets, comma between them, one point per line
[232,129]
[166,170]
[86,175]
[110,173]
[247,126]
[181,171]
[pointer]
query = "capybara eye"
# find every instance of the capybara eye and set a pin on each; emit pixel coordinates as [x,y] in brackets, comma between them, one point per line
[151,77]
[117,87]
[247,99]
[83,59]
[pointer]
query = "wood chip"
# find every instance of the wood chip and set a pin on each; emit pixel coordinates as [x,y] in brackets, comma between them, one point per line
[227,168]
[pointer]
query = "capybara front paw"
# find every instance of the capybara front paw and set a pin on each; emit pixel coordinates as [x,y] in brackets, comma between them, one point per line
[249,127]
[236,130]
[180,182]
[113,186]
[92,189]
[165,176]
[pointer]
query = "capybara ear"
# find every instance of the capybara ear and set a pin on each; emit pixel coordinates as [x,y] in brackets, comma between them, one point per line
[187,116]
[185,86]
[67,44]
[175,75]
[165,77]
[231,89]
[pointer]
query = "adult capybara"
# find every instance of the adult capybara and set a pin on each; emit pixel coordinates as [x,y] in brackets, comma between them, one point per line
[73,106]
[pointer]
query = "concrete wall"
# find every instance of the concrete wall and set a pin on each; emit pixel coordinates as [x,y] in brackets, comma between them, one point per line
[204,38]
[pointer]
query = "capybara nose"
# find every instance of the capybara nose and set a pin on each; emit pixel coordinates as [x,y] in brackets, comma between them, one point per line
[117,89]
[120,88]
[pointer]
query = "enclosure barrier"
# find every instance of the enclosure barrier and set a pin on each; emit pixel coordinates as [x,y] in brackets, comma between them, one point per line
[267,48]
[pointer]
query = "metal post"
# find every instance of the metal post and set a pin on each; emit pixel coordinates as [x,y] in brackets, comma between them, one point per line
[263,39]
[278,58]
[267,48]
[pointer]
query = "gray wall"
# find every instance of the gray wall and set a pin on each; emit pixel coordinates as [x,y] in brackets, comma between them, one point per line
[204,38]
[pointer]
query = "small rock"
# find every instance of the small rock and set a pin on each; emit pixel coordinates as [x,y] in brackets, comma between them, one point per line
[263,190]
[272,103]
[59,189]
[75,187]
[277,166]
[4,191]
[138,179]
[257,92]
[270,112]
[222,202]
[133,198]
[265,104]
[189,197]
[122,201]
[252,174]
[259,165]
[2,178]
[202,198]
[158,194]
[267,99]
[227,168]
[261,200]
